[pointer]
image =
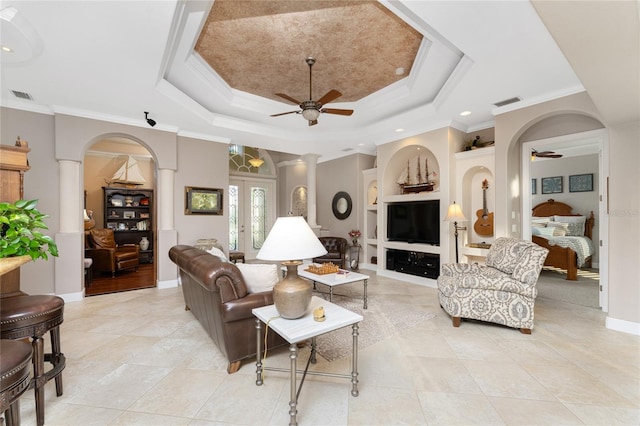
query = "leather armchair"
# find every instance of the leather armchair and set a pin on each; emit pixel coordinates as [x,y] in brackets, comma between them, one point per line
[503,291]
[107,255]
[336,251]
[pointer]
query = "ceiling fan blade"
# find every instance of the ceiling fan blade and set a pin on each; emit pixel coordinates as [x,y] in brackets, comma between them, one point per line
[313,122]
[337,111]
[330,96]
[289,98]
[285,113]
[553,155]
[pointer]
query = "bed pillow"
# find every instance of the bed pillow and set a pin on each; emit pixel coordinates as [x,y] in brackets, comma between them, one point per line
[544,232]
[575,224]
[539,221]
[258,277]
[538,230]
[559,228]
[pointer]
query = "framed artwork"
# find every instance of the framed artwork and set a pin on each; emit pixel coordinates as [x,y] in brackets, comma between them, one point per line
[581,183]
[128,215]
[202,200]
[551,185]
[111,225]
[534,186]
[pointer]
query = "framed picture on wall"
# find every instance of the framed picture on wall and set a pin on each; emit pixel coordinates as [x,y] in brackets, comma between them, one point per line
[581,183]
[534,186]
[551,185]
[202,200]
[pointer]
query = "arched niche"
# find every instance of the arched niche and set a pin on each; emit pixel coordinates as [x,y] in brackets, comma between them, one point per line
[298,206]
[472,201]
[408,158]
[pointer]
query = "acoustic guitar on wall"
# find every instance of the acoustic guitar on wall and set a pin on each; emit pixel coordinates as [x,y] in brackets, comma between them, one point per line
[484,223]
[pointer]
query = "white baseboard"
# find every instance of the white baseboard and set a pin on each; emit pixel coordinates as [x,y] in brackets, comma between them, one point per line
[72,297]
[623,326]
[167,284]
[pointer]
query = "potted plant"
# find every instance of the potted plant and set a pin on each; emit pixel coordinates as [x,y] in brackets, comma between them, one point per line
[20,238]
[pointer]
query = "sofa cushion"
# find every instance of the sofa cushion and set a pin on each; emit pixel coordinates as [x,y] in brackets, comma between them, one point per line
[258,277]
[217,252]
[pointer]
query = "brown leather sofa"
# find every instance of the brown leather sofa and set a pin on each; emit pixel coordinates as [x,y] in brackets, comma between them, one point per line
[217,295]
[336,251]
[107,255]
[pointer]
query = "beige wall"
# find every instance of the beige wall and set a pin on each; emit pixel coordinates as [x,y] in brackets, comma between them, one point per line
[624,277]
[342,174]
[41,182]
[202,164]
[624,223]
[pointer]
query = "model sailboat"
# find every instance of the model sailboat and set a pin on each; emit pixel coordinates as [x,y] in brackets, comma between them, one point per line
[129,174]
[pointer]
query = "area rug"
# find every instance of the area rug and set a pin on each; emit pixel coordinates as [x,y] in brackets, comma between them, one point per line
[382,320]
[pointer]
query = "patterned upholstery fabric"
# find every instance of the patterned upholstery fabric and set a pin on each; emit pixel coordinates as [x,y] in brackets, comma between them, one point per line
[502,291]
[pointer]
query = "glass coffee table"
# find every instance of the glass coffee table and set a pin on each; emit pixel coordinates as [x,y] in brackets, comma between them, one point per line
[300,330]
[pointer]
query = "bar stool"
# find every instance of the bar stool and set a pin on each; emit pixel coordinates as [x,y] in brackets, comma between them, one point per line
[15,357]
[31,317]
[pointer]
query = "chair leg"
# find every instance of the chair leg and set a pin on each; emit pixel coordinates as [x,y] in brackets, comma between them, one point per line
[39,378]
[12,414]
[55,357]
[525,330]
[456,321]
[233,367]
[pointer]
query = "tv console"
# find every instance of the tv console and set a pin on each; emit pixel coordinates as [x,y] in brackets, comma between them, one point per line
[425,265]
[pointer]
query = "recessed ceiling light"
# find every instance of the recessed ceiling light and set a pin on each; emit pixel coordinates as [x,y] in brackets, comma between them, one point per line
[7,49]
[399,71]
[465,113]
[361,144]
[399,130]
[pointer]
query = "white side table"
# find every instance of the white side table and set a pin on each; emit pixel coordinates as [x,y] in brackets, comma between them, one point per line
[299,330]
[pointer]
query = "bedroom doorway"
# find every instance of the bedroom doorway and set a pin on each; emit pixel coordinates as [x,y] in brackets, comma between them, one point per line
[582,153]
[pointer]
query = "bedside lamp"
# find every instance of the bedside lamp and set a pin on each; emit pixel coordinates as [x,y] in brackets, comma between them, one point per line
[290,240]
[454,214]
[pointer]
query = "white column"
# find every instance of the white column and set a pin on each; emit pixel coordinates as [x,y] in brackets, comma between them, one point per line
[165,199]
[71,208]
[311,160]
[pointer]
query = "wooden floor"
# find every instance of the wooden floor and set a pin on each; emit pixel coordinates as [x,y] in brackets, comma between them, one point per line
[144,277]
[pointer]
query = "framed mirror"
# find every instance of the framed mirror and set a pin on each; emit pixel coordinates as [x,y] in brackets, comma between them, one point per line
[341,205]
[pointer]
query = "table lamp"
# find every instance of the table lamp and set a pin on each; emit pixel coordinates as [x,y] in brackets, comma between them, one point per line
[454,214]
[290,240]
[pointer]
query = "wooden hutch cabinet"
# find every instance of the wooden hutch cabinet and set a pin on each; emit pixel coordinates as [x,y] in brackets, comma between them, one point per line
[129,212]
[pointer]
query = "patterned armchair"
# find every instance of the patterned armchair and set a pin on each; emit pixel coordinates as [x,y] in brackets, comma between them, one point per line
[502,291]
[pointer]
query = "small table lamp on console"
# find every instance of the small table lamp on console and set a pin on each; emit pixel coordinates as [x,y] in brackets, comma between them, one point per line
[291,238]
[454,214]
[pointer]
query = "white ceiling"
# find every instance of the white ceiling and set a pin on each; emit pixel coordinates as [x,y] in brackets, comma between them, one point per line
[115,60]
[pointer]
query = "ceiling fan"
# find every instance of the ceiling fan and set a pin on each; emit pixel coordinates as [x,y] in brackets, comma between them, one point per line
[544,154]
[311,109]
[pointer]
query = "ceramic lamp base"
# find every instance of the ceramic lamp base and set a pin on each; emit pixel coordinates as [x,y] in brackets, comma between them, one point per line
[292,295]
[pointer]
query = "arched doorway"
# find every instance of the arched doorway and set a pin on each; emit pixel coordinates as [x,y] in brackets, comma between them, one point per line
[132,223]
[581,139]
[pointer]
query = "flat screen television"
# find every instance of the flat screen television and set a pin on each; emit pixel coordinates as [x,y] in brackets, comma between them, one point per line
[414,222]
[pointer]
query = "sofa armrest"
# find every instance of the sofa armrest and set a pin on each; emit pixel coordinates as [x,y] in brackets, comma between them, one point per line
[240,309]
[103,258]
[129,248]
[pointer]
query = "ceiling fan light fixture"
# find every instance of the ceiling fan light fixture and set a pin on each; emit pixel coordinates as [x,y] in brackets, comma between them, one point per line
[310,114]
[256,162]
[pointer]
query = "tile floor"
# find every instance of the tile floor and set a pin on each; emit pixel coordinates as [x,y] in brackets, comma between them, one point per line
[137,358]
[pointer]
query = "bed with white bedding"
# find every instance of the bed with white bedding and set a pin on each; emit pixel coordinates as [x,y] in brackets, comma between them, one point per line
[567,236]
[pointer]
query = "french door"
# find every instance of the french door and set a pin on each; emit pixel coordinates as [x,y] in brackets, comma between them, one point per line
[252,209]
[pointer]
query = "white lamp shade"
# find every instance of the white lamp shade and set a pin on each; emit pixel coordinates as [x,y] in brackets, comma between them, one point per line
[291,238]
[86,216]
[454,214]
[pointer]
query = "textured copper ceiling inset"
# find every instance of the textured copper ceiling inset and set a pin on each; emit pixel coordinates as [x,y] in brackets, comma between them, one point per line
[260,47]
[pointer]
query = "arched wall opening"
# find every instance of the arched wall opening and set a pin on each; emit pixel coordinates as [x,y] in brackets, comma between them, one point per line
[104,155]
